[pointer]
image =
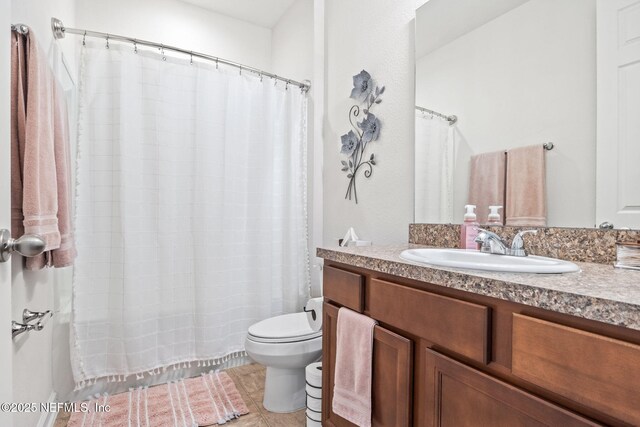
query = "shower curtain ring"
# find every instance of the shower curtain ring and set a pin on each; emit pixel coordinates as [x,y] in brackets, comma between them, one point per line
[275,80]
[107,46]
[286,87]
[135,46]
[164,58]
[260,75]
[241,70]
[216,63]
[191,58]
[84,39]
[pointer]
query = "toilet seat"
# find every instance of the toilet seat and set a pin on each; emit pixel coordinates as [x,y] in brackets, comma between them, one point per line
[286,328]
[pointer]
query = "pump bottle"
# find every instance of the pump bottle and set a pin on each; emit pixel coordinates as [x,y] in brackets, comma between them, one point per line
[494,216]
[469,229]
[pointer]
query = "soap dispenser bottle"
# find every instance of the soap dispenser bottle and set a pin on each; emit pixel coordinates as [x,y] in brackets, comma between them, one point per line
[494,216]
[469,229]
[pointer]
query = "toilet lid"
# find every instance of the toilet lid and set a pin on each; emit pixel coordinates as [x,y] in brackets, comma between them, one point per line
[285,328]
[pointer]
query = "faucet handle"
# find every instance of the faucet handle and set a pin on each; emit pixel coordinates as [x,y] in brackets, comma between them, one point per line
[487,233]
[517,246]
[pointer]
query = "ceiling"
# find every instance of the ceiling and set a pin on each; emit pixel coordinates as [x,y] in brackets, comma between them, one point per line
[265,13]
[439,22]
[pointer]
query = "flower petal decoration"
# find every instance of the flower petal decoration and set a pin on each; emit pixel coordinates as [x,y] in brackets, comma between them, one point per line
[370,128]
[362,86]
[350,142]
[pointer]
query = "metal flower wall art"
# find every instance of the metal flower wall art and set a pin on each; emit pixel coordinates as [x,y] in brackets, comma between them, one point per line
[355,142]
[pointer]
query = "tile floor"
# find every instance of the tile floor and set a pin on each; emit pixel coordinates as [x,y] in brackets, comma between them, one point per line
[249,380]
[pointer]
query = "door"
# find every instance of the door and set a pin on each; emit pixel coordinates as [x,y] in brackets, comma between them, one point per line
[618,109]
[6,347]
[391,381]
[460,396]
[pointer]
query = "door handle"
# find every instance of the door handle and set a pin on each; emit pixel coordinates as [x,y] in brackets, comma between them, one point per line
[606,225]
[29,245]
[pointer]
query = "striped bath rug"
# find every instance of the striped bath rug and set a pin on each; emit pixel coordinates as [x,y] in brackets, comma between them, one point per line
[202,401]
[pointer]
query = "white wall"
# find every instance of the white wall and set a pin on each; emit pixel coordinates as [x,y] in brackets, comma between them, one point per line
[292,42]
[319,94]
[179,24]
[378,36]
[525,78]
[34,353]
[6,352]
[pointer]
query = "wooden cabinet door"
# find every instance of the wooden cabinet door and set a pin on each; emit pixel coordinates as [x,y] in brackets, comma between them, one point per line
[392,375]
[460,396]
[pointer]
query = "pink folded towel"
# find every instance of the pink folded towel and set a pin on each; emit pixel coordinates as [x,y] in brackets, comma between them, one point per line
[353,371]
[40,164]
[487,182]
[526,193]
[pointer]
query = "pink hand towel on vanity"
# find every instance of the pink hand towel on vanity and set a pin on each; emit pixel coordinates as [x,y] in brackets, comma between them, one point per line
[353,371]
[526,187]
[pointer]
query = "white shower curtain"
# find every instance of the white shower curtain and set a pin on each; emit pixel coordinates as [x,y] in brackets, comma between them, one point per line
[191,211]
[435,151]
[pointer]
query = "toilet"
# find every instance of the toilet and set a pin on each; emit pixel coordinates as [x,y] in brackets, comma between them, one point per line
[285,344]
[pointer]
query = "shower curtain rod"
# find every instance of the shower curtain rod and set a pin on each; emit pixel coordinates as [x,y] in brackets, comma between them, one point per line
[59,32]
[451,119]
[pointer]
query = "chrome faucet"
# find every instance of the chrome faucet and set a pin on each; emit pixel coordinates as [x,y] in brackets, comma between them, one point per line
[491,243]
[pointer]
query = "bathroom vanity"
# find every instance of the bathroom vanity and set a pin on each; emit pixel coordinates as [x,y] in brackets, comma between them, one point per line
[462,347]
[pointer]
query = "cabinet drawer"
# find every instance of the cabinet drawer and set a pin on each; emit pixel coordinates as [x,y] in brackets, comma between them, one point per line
[344,288]
[462,396]
[600,372]
[459,326]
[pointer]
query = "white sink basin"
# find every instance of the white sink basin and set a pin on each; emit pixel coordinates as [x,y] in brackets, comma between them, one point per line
[476,260]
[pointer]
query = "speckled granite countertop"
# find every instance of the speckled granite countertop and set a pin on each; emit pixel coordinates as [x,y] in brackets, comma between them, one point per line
[599,292]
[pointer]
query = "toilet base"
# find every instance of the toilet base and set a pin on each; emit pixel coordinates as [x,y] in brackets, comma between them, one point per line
[284,390]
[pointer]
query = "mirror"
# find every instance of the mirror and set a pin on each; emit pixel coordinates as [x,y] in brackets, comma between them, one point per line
[517,73]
